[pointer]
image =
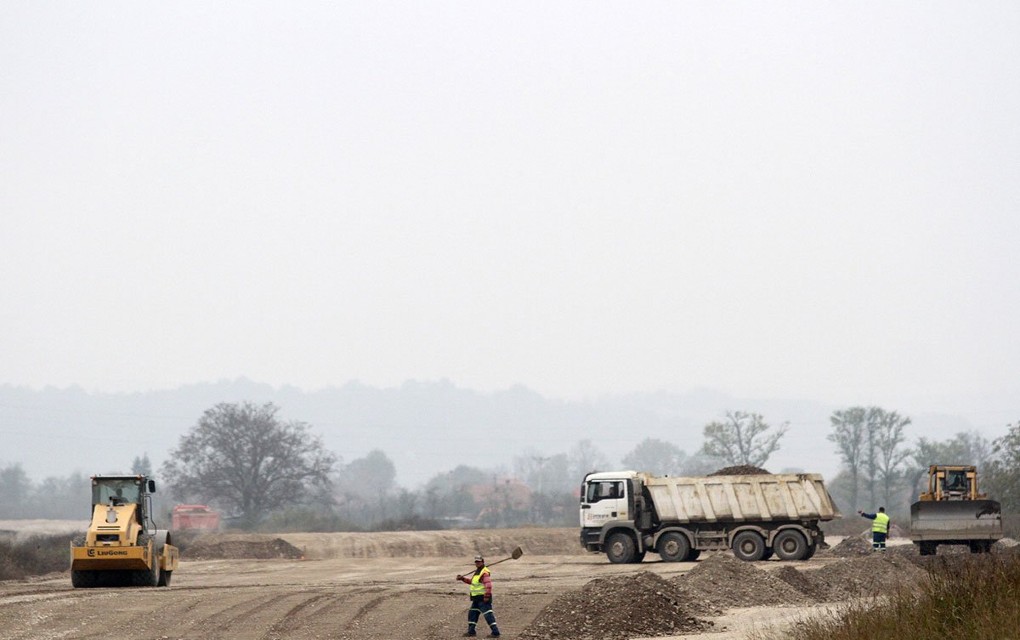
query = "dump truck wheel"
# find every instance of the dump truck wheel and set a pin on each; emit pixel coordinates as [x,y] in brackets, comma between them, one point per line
[620,548]
[673,547]
[749,546]
[812,548]
[768,553]
[790,544]
[639,557]
[693,555]
[164,578]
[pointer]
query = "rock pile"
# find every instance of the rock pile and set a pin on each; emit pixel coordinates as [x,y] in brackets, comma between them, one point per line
[851,546]
[618,608]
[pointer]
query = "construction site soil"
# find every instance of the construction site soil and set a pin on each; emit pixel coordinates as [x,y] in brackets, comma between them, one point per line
[381,586]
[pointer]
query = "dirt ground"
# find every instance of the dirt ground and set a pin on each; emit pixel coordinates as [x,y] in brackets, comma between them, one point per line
[355,586]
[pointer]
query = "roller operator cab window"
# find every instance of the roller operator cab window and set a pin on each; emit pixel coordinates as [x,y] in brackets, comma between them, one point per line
[604,490]
[126,491]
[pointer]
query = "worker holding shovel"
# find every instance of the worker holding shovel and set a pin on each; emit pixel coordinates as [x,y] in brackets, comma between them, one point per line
[481,597]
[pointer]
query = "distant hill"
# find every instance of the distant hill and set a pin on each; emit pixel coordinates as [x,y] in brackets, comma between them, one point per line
[424,427]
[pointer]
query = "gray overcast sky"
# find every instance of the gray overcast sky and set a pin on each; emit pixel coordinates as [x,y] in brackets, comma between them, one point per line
[813,200]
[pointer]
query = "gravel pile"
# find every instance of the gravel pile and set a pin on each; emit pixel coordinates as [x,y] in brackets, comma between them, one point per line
[852,546]
[877,574]
[812,589]
[618,608]
[721,582]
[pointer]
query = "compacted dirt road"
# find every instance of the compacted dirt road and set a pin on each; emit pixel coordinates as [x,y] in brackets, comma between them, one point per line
[345,586]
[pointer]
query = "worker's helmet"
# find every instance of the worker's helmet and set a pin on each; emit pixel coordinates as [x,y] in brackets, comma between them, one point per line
[479,559]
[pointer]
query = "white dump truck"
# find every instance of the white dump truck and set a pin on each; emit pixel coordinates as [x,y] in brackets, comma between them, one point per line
[628,513]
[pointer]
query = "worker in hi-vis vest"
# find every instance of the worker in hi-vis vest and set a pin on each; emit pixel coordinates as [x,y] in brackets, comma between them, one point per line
[480,590]
[879,528]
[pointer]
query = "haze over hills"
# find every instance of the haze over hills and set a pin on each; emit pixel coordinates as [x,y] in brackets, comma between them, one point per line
[426,428]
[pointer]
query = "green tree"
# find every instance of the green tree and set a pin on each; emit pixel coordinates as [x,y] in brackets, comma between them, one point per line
[1002,477]
[15,489]
[365,487]
[245,459]
[448,495]
[849,433]
[655,456]
[142,466]
[742,439]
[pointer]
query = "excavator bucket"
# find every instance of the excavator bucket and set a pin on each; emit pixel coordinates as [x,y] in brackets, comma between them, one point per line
[955,520]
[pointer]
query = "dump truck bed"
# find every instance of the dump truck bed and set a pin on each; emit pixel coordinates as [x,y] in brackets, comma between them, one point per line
[765,497]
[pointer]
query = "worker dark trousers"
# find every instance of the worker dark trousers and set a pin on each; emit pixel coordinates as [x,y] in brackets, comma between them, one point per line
[480,607]
[877,541]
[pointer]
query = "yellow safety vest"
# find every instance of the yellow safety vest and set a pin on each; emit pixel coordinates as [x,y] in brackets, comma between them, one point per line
[881,523]
[477,587]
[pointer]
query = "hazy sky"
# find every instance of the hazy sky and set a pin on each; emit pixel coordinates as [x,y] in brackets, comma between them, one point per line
[817,200]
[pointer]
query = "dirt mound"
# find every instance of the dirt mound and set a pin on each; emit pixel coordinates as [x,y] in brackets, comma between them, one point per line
[617,608]
[741,470]
[219,547]
[721,582]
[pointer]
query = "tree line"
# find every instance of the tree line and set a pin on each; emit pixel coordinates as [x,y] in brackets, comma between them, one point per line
[263,471]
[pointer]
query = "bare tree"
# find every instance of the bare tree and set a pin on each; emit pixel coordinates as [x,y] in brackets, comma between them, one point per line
[889,452]
[742,439]
[242,457]
[584,458]
[849,433]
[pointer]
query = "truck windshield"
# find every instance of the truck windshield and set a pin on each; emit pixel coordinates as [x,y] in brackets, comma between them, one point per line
[123,490]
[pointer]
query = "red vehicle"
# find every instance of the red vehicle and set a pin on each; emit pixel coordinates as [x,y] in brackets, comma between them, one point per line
[195,516]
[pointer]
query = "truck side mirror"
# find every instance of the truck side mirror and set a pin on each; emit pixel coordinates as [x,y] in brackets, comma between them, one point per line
[152,486]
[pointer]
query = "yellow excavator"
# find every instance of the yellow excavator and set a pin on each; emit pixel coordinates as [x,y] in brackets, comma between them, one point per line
[122,546]
[953,511]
